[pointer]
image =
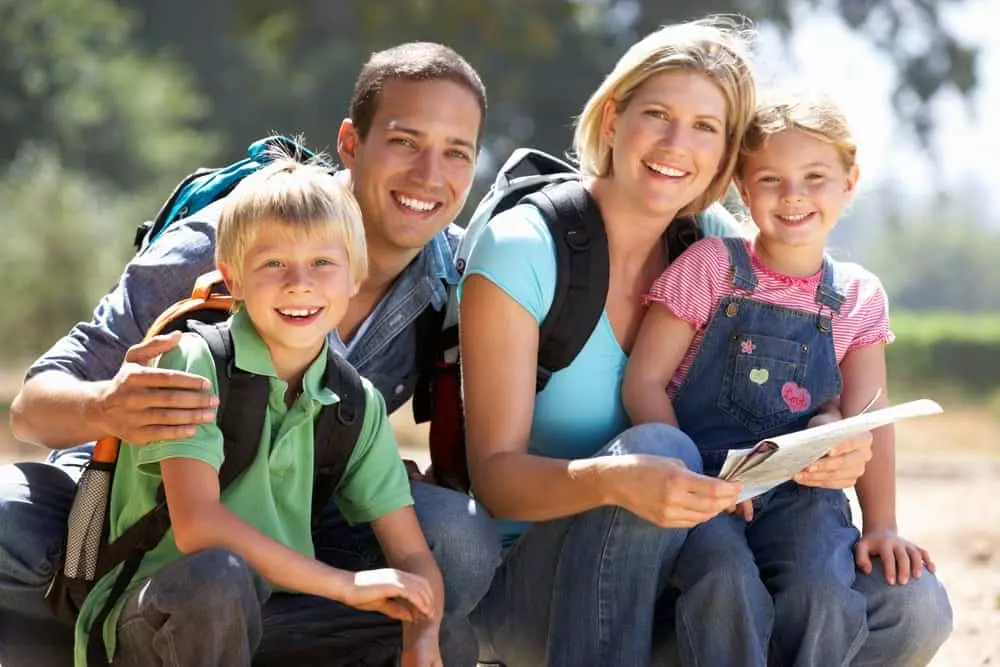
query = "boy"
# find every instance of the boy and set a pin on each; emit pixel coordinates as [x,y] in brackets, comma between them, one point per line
[291,248]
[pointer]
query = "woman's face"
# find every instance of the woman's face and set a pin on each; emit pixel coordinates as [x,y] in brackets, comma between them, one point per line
[668,143]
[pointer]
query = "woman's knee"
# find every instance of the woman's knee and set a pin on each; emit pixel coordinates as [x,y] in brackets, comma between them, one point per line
[657,439]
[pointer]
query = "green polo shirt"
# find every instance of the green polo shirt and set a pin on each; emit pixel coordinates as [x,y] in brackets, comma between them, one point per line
[275,493]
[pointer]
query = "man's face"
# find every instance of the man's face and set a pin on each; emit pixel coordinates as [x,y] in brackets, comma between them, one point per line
[413,171]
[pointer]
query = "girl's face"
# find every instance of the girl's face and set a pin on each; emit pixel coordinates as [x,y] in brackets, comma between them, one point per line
[795,188]
[668,143]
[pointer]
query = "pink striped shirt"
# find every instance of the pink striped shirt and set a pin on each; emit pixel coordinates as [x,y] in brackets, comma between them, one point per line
[694,284]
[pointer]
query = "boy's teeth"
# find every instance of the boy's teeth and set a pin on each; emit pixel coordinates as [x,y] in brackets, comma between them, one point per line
[298,312]
[415,204]
[794,218]
[666,171]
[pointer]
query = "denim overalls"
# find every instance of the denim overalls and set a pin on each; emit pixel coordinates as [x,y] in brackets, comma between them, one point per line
[785,577]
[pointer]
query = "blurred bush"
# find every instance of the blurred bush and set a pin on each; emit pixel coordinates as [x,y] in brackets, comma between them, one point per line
[939,353]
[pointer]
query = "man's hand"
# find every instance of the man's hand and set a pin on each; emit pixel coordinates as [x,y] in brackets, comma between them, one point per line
[142,404]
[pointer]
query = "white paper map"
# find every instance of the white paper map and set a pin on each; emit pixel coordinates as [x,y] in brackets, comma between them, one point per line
[778,459]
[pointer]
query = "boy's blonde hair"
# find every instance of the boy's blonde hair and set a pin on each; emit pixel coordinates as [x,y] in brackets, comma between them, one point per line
[301,198]
[817,116]
[718,48]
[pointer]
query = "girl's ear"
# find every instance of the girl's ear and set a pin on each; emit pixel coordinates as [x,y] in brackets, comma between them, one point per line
[233,285]
[853,174]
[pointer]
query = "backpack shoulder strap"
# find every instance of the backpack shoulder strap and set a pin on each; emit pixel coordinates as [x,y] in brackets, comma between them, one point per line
[242,402]
[582,273]
[682,233]
[337,429]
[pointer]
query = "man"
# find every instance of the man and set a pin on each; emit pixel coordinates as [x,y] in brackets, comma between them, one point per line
[410,144]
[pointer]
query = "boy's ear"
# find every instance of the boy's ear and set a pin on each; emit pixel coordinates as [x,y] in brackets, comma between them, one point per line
[235,290]
[347,142]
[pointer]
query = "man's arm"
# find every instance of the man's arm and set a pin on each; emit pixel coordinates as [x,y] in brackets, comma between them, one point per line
[93,382]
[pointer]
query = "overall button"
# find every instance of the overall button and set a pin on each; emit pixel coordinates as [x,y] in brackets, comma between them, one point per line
[732,309]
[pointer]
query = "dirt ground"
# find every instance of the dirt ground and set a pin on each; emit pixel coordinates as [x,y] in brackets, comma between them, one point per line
[948,501]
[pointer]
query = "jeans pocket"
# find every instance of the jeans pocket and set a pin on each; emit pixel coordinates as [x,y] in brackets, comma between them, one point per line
[761,371]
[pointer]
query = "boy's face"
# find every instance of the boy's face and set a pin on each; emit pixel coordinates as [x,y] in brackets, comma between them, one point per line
[413,171]
[295,288]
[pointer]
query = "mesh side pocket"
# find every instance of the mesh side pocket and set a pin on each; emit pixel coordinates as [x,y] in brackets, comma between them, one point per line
[86,521]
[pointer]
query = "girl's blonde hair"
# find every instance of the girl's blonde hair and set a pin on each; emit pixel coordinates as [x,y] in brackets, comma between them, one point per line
[815,116]
[717,47]
[301,198]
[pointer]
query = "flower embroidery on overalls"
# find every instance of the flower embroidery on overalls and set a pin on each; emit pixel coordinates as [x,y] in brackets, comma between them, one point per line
[747,346]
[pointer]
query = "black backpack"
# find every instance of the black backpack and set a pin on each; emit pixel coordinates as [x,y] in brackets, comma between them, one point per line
[240,416]
[582,266]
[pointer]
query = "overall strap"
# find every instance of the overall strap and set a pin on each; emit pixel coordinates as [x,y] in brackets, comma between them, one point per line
[337,429]
[827,293]
[739,262]
[582,274]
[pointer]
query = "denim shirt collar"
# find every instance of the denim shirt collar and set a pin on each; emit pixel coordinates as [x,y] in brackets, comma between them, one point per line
[424,282]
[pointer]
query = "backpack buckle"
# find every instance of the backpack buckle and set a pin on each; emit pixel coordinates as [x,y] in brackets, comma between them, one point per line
[578,240]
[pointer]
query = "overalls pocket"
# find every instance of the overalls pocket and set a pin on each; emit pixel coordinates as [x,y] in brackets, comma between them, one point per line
[763,384]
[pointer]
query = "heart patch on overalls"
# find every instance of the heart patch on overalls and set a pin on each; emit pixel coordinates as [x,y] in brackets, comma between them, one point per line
[759,375]
[796,398]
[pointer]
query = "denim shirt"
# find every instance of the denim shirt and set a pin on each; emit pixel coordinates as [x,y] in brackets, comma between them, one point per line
[165,271]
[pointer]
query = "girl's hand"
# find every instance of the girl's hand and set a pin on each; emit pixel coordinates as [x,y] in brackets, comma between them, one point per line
[900,558]
[745,508]
[400,595]
[842,465]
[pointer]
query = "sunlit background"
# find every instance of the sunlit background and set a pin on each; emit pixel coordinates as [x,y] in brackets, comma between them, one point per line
[105,105]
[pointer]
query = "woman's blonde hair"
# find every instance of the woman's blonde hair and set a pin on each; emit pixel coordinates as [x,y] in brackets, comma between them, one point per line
[717,47]
[817,116]
[303,199]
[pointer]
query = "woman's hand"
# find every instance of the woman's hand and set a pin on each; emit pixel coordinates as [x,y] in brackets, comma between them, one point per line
[842,465]
[663,491]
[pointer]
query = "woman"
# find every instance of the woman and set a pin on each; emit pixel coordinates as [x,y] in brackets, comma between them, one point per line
[580,584]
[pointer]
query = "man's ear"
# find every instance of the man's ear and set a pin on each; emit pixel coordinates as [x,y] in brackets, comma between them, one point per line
[233,285]
[347,142]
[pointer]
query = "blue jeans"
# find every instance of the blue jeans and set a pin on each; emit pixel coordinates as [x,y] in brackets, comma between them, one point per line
[778,586]
[582,590]
[34,505]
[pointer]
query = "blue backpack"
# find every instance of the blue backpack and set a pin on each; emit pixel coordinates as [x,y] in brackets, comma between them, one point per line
[205,185]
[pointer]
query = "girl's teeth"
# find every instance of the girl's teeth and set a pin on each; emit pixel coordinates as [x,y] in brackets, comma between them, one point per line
[298,312]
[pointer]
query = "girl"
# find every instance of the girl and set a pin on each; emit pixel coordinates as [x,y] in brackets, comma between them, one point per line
[749,338]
